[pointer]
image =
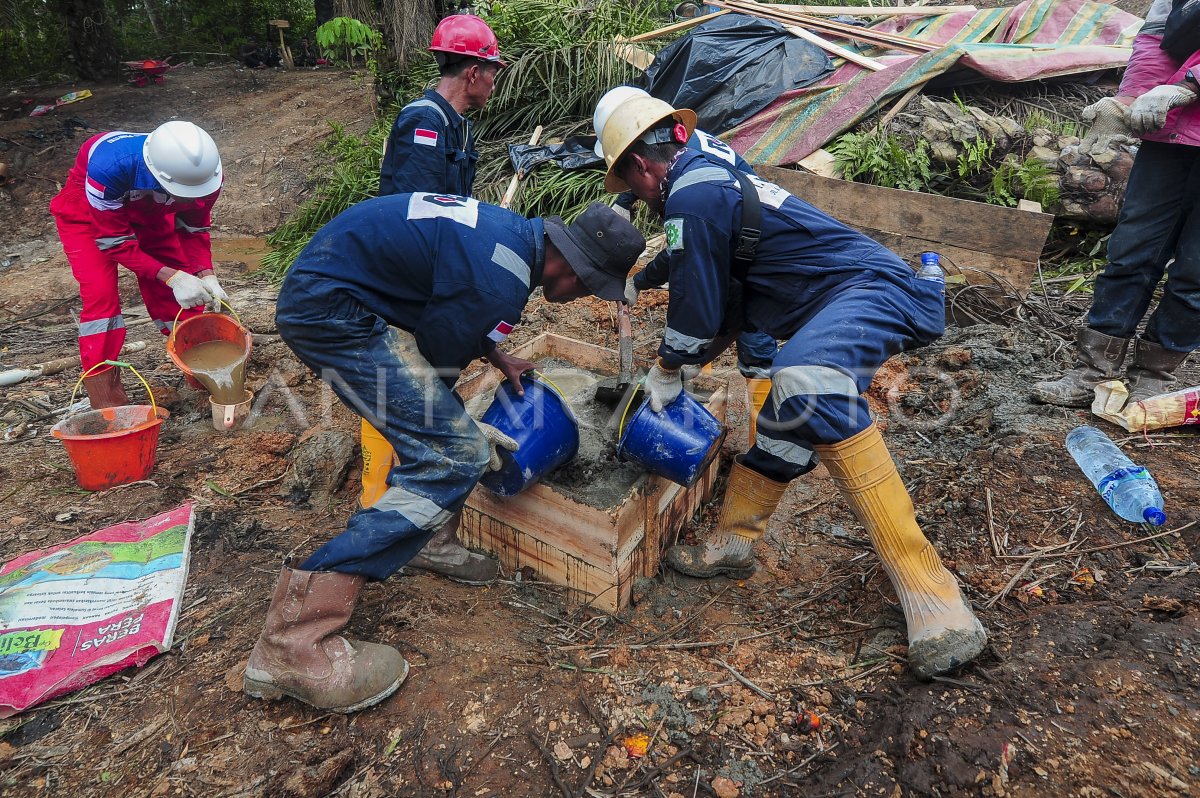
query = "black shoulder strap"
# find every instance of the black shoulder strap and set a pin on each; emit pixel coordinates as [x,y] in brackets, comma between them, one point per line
[751,232]
[748,236]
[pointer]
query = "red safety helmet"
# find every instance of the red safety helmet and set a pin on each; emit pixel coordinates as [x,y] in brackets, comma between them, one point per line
[466,35]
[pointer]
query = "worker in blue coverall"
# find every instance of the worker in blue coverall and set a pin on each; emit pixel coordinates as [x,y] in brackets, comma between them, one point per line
[755,350]
[387,303]
[432,148]
[842,304]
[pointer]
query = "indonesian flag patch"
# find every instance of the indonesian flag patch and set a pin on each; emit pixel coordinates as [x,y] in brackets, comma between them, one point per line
[501,331]
[426,137]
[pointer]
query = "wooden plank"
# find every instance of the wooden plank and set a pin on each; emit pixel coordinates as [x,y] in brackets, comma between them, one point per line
[835,49]
[669,29]
[869,11]
[830,27]
[1006,242]
[633,55]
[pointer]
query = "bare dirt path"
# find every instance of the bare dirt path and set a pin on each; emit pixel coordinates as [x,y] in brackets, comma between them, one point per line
[1089,687]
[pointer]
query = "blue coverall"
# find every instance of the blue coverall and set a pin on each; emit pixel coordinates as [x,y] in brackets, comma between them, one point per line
[843,302]
[755,350]
[430,148]
[456,274]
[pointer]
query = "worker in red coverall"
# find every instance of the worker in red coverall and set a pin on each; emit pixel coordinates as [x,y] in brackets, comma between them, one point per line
[144,202]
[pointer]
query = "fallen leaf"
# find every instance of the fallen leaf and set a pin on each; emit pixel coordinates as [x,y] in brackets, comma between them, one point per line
[198,641]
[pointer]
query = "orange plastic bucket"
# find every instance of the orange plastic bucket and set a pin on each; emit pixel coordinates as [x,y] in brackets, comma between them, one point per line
[112,446]
[203,329]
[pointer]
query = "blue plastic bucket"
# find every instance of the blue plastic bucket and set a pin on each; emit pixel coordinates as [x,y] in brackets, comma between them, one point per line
[544,426]
[677,443]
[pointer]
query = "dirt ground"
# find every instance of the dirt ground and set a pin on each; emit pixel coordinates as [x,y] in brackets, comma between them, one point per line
[1087,688]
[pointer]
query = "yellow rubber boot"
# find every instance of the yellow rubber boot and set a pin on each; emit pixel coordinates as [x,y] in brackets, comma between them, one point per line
[750,498]
[378,459]
[757,391]
[943,633]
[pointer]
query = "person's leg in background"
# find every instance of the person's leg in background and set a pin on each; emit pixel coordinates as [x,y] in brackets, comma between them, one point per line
[1156,205]
[755,353]
[1173,330]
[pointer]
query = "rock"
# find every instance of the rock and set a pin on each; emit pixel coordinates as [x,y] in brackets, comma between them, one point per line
[944,152]
[1044,155]
[643,588]
[725,787]
[319,465]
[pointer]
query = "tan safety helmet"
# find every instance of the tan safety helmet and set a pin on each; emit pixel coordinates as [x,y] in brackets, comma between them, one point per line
[631,121]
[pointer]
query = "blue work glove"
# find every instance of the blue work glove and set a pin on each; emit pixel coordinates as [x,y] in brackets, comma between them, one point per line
[662,386]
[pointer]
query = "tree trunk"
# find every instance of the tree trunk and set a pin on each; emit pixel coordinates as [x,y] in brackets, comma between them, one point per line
[324,9]
[92,48]
[154,12]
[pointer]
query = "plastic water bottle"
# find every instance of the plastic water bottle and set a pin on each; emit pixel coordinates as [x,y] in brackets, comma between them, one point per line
[1129,489]
[931,268]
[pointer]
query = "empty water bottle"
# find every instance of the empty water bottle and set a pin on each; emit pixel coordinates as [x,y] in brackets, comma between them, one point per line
[931,268]
[1129,489]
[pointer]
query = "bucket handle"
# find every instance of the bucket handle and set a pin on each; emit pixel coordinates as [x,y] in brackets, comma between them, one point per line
[553,387]
[625,413]
[121,364]
[174,324]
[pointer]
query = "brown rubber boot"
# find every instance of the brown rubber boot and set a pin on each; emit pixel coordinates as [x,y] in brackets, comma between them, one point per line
[301,654]
[943,633]
[104,388]
[1100,358]
[444,554]
[1153,370]
[750,498]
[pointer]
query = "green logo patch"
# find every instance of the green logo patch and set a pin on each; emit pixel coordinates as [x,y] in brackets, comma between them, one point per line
[674,229]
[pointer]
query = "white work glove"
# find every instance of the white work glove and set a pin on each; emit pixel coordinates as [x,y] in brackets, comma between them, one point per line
[1149,111]
[189,290]
[496,438]
[662,386]
[1109,123]
[214,288]
[688,373]
[631,293]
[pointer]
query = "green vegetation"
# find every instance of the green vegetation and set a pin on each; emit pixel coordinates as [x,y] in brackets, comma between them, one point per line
[34,34]
[346,38]
[561,60]
[979,173]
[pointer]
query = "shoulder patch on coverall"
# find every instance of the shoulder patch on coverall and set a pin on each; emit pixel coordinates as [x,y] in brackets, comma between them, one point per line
[674,230]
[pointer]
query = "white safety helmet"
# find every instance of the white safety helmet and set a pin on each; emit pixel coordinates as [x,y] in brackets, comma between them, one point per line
[608,103]
[183,159]
[637,118]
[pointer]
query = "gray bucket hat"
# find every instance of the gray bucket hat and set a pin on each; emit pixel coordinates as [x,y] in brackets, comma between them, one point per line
[601,248]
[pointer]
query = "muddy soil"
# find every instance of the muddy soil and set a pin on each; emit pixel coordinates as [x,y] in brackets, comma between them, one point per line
[1088,687]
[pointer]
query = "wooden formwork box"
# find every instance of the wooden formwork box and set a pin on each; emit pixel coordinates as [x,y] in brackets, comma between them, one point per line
[597,553]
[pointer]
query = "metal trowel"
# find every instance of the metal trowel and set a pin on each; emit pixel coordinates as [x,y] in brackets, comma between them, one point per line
[612,390]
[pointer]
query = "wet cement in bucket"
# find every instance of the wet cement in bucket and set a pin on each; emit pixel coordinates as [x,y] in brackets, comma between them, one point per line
[595,477]
[221,367]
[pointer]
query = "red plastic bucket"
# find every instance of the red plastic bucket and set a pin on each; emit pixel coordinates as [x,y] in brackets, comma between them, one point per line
[203,329]
[112,446]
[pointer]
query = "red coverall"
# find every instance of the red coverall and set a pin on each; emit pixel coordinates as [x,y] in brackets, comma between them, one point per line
[113,211]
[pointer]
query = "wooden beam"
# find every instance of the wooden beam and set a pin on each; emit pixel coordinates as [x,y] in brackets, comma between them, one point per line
[870,11]
[668,30]
[829,27]
[834,49]
[511,192]
[1005,242]
[633,55]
